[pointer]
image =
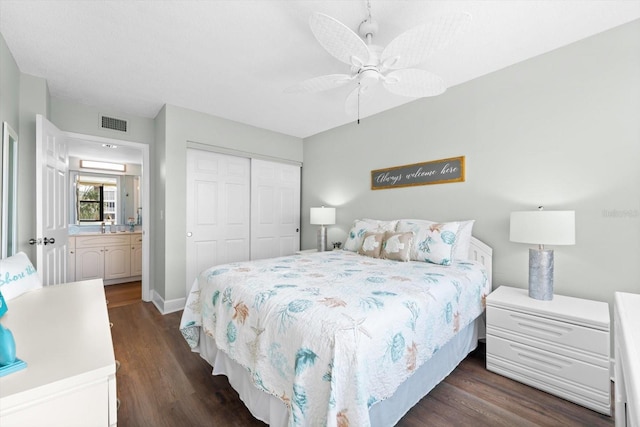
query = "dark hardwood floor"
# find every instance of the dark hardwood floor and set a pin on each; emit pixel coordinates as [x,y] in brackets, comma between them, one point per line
[162,383]
[123,294]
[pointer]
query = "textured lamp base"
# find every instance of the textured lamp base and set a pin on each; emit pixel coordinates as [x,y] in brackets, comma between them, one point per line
[322,238]
[541,274]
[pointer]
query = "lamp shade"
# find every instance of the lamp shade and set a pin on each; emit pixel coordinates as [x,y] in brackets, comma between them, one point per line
[543,227]
[323,216]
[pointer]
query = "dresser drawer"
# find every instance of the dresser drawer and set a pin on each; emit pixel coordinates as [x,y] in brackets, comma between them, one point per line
[572,379]
[585,343]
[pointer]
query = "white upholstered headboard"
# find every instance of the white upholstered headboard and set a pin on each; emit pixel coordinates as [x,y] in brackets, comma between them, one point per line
[479,251]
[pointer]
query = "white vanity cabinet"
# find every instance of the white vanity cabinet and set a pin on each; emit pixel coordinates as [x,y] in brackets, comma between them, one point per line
[136,254]
[108,256]
[71,260]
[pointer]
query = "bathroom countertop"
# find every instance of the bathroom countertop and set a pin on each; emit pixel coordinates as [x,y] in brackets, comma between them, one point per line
[108,233]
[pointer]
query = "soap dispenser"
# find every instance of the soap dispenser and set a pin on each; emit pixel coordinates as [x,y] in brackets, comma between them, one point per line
[103,228]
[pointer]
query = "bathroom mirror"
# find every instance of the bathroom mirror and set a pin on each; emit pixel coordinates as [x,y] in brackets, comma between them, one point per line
[105,198]
[9,192]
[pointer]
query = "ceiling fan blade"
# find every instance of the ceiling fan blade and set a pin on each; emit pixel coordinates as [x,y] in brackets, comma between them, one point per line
[338,39]
[352,101]
[415,46]
[318,84]
[414,83]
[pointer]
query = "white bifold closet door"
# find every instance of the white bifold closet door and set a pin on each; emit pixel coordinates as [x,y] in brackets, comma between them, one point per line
[239,209]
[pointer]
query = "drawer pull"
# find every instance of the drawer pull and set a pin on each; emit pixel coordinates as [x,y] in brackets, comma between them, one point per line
[544,359]
[542,327]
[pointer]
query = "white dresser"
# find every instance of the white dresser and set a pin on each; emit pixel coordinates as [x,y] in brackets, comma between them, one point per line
[559,346]
[627,353]
[62,332]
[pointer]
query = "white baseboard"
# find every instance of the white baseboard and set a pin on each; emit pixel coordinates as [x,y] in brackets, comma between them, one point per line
[166,307]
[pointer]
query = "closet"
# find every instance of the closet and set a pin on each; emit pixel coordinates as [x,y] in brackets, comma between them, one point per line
[239,209]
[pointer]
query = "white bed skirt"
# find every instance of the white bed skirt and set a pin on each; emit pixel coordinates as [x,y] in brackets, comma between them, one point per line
[385,413]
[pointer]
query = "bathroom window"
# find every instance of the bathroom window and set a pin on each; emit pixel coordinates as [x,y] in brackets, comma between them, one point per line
[97,199]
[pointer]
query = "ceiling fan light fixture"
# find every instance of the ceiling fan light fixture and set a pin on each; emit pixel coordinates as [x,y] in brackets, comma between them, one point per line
[368,77]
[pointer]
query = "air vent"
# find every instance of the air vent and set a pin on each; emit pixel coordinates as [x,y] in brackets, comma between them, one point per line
[113,123]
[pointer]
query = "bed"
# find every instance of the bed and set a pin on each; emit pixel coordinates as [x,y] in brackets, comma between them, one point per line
[339,338]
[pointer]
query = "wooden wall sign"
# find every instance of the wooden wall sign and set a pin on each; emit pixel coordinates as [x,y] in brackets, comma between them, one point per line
[434,172]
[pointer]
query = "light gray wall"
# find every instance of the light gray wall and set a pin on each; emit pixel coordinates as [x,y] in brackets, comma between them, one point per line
[9,87]
[71,116]
[10,104]
[183,126]
[560,130]
[21,97]
[158,202]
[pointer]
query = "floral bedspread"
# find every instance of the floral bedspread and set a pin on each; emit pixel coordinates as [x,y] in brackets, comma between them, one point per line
[332,333]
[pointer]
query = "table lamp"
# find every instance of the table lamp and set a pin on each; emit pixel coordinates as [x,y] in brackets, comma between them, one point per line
[323,216]
[542,228]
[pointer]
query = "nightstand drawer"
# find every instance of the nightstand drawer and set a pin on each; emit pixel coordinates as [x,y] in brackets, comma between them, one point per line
[575,380]
[585,343]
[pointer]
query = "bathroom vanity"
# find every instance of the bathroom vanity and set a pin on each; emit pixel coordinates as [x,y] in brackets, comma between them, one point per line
[113,257]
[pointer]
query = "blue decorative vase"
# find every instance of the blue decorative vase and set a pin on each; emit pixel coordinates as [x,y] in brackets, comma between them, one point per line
[7,347]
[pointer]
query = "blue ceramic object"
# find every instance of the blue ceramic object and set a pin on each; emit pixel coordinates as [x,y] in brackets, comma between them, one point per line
[7,347]
[3,305]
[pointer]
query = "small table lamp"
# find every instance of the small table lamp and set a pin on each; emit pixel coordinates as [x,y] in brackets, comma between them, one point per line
[323,216]
[542,228]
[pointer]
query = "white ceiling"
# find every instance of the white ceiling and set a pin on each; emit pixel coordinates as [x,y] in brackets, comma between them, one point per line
[233,59]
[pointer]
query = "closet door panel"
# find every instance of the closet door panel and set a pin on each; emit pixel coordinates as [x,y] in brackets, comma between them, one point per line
[217,212]
[275,209]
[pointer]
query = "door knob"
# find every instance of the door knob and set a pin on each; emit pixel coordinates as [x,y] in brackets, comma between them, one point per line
[47,241]
[189,234]
[34,241]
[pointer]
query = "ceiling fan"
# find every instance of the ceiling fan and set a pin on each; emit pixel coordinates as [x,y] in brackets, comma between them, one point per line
[372,65]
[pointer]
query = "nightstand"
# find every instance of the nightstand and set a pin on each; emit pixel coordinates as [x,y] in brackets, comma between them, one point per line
[559,346]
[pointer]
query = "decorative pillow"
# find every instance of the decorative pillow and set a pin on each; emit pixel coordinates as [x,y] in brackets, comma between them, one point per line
[17,276]
[371,244]
[463,240]
[397,245]
[361,226]
[463,236]
[433,242]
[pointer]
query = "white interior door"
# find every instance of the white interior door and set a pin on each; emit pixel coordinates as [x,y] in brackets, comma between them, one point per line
[275,209]
[218,204]
[52,214]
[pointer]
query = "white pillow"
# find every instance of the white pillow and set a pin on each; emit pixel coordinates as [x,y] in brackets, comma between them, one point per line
[434,243]
[463,236]
[17,276]
[361,226]
[463,240]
